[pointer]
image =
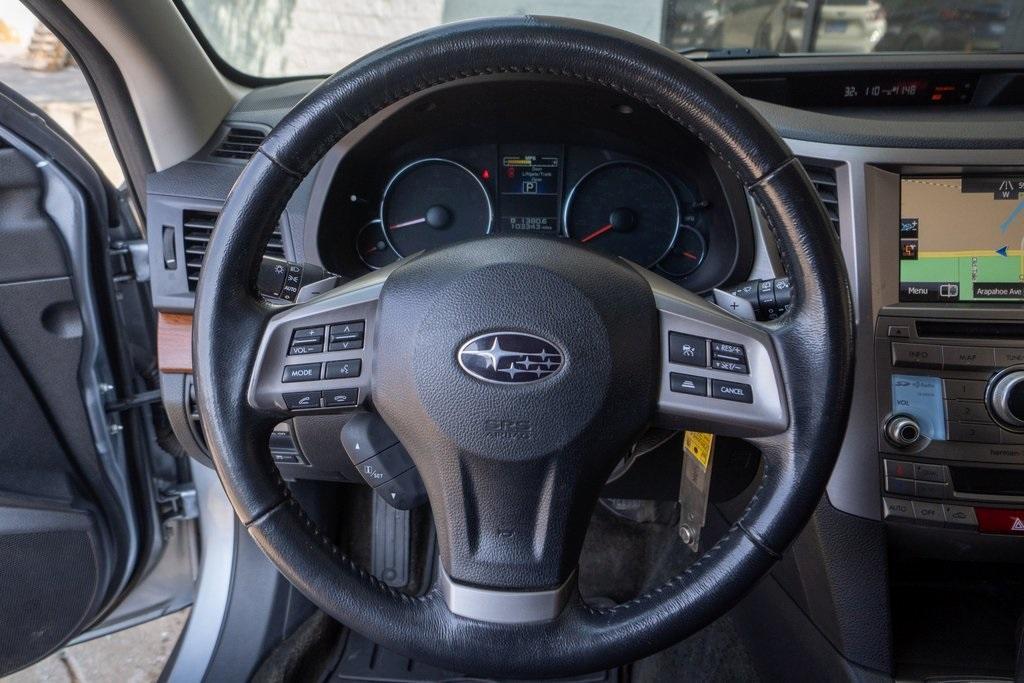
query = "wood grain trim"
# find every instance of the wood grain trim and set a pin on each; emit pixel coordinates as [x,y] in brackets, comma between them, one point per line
[174,342]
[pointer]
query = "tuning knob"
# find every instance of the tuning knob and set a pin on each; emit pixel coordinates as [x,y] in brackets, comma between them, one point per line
[902,431]
[1005,397]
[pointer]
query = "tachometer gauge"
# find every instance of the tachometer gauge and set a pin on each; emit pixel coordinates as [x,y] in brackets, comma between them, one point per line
[434,202]
[625,209]
[686,254]
[373,249]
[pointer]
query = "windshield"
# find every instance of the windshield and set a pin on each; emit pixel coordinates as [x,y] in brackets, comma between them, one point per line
[287,38]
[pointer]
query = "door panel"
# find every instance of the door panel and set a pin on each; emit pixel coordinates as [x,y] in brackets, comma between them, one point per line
[69,535]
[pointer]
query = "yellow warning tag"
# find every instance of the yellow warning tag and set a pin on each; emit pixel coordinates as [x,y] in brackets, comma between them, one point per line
[699,445]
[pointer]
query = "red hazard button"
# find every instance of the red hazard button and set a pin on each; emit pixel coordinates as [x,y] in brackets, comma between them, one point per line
[1000,521]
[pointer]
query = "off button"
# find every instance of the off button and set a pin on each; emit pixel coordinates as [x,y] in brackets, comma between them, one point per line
[732,391]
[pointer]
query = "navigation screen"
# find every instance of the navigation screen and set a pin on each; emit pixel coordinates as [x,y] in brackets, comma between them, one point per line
[962,239]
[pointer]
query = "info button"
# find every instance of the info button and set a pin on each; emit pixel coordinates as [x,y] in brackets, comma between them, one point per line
[916,355]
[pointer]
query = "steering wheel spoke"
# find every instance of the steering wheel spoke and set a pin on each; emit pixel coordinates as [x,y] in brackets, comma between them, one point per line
[316,357]
[718,373]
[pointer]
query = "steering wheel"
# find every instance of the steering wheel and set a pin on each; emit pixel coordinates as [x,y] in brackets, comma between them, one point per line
[512,469]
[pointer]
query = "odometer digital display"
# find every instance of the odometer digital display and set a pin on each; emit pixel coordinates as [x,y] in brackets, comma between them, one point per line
[530,188]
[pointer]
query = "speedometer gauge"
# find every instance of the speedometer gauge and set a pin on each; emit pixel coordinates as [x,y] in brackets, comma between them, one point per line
[624,209]
[431,203]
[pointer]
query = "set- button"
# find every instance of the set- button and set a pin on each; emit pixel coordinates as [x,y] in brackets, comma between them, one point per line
[728,357]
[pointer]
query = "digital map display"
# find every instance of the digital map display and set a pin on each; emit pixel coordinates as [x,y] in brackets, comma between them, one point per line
[962,239]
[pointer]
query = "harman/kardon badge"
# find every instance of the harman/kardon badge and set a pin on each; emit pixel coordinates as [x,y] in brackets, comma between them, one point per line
[510,358]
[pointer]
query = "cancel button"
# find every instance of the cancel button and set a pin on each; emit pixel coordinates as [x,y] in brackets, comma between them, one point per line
[732,391]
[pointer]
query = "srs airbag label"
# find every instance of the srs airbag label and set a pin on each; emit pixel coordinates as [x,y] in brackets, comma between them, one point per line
[921,398]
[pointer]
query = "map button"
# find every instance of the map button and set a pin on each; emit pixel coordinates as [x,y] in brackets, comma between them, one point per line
[967,357]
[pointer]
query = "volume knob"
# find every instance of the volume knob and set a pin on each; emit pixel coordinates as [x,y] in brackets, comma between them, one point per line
[902,431]
[1005,398]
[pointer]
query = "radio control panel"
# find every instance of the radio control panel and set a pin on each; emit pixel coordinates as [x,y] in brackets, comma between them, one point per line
[951,423]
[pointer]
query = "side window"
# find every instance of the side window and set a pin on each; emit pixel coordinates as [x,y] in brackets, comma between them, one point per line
[35,64]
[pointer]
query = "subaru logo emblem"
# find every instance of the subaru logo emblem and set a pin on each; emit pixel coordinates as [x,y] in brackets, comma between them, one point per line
[510,357]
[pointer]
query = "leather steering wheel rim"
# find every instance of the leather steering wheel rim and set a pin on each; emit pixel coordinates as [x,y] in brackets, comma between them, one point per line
[814,342]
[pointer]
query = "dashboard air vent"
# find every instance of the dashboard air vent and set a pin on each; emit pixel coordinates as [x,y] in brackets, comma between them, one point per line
[824,180]
[197,228]
[239,143]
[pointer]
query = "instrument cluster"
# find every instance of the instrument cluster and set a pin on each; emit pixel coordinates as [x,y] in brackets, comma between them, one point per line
[611,202]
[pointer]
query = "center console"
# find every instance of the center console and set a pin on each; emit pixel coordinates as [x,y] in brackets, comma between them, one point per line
[949,351]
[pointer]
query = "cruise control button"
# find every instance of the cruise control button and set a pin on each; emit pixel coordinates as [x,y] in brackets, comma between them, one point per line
[687,349]
[385,466]
[688,384]
[732,391]
[302,400]
[306,372]
[335,398]
[728,351]
[729,366]
[340,369]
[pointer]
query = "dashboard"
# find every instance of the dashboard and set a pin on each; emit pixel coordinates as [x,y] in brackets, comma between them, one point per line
[517,167]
